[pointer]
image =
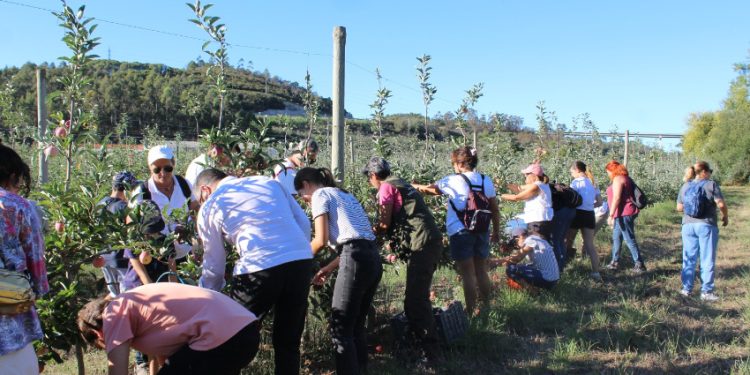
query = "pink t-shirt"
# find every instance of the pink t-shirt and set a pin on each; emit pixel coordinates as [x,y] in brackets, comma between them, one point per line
[388,194]
[160,318]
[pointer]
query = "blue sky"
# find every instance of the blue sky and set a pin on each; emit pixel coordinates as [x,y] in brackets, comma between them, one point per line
[638,65]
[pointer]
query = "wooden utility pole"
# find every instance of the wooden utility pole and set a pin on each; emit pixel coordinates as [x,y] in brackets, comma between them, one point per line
[627,141]
[337,136]
[41,113]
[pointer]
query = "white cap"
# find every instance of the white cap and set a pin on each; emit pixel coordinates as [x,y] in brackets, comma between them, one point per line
[159,152]
[517,231]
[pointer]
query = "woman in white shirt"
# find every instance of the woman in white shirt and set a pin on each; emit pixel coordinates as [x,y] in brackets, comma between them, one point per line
[537,209]
[469,250]
[341,223]
[585,219]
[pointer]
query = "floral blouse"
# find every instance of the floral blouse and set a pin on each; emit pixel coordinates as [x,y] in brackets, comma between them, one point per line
[22,246]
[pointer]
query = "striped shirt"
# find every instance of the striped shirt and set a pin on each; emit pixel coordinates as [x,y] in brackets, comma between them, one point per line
[347,219]
[543,258]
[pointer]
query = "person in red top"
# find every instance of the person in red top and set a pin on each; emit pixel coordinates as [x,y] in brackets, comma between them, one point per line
[191,330]
[622,215]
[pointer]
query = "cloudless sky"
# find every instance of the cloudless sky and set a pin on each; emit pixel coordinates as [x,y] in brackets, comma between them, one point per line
[638,65]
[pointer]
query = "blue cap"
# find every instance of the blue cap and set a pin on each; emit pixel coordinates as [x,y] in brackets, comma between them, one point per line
[124,180]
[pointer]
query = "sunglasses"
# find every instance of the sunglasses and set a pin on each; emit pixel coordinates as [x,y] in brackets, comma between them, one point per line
[167,169]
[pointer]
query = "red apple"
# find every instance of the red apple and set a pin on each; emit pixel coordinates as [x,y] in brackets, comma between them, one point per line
[51,151]
[67,124]
[215,151]
[378,348]
[60,227]
[145,258]
[98,262]
[61,132]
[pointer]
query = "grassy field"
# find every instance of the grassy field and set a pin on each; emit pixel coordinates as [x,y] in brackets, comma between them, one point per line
[628,324]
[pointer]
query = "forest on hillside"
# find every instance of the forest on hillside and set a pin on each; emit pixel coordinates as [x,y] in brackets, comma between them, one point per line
[134,96]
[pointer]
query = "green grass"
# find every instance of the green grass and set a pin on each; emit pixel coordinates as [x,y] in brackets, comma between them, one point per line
[629,324]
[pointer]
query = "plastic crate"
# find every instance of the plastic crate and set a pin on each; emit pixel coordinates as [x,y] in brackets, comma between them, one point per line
[451,322]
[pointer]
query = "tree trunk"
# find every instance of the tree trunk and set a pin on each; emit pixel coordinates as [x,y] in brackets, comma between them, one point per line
[79,360]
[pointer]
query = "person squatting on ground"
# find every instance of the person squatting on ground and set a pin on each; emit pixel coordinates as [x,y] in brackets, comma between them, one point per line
[542,270]
[341,223]
[189,330]
[271,234]
[698,200]
[585,219]
[408,223]
[622,215]
[21,250]
[469,249]
[284,172]
[537,197]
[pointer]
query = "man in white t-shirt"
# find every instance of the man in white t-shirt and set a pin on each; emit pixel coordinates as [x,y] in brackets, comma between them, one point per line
[284,172]
[271,234]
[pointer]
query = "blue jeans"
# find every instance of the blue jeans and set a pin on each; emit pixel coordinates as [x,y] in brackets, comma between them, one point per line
[529,274]
[466,245]
[560,225]
[699,240]
[625,230]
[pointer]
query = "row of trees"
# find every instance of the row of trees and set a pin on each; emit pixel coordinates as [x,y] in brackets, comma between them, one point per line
[723,136]
[126,98]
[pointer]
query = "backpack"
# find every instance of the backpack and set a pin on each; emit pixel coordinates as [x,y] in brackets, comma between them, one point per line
[695,202]
[477,215]
[639,198]
[564,196]
[184,186]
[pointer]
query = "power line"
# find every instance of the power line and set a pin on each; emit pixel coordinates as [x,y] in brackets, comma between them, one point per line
[262,48]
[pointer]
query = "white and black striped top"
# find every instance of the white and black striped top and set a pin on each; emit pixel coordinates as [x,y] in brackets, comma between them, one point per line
[543,257]
[347,219]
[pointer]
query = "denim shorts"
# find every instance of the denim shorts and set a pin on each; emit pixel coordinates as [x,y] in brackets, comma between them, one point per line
[465,245]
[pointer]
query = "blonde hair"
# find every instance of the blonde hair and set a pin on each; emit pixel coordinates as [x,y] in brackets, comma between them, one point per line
[689,174]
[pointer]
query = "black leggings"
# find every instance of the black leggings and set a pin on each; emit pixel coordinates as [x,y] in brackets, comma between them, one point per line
[228,358]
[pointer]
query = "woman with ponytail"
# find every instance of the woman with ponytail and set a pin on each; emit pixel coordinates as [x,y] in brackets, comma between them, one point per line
[342,224]
[584,220]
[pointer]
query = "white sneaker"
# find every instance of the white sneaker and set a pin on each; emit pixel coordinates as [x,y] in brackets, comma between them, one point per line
[685,293]
[709,297]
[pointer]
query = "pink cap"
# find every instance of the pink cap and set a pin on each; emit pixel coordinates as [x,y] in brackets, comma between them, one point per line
[535,169]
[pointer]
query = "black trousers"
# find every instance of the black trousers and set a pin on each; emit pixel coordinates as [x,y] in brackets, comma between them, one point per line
[228,358]
[417,306]
[360,269]
[284,289]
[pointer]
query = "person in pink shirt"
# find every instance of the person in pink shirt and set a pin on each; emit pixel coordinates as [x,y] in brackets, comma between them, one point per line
[190,330]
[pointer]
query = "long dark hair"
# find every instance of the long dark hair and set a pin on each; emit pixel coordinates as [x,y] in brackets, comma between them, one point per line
[14,172]
[318,176]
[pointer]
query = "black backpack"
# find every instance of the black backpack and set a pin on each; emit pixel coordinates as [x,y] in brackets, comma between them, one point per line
[477,215]
[639,197]
[564,196]
[184,186]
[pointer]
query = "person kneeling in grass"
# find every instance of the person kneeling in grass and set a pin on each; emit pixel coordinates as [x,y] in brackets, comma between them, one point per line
[196,330]
[542,271]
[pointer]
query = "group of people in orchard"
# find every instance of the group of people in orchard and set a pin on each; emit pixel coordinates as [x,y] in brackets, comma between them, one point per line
[182,329]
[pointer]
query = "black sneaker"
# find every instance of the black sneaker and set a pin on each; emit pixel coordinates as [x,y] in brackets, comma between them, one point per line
[639,268]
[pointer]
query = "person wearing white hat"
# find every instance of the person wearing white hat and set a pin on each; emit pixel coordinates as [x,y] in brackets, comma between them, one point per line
[169,191]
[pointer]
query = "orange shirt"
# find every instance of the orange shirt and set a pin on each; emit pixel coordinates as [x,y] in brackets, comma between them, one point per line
[160,318]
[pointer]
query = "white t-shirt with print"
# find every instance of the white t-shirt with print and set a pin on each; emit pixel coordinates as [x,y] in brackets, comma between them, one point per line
[455,188]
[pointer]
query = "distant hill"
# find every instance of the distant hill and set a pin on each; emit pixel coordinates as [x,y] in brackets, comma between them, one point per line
[138,95]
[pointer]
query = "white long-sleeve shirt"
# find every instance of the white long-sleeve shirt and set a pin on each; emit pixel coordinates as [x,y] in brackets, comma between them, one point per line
[266,226]
[260,219]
